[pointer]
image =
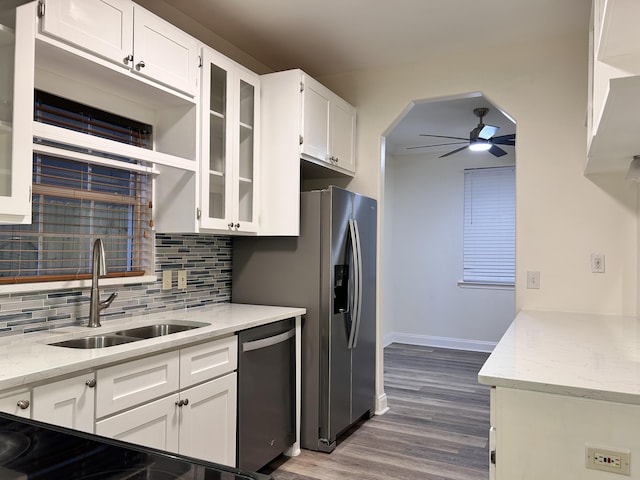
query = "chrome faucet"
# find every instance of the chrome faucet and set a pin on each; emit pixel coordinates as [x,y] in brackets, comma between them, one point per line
[98,267]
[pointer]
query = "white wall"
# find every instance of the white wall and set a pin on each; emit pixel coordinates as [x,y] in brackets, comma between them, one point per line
[423,303]
[562,216]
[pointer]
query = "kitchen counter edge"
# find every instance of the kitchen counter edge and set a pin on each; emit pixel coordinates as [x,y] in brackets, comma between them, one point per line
[581,355]
[29,359]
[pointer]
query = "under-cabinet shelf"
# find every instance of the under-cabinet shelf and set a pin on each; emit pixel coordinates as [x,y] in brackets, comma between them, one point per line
[616,141]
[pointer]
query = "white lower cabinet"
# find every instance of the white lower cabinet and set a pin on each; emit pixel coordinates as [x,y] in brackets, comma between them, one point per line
[16,402]
[69,403]
[199,422]
[132,383]
[183,401]
[208,421]
[154,424]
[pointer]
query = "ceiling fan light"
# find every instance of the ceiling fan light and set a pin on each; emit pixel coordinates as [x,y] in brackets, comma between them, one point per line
[487,132]
[479,146]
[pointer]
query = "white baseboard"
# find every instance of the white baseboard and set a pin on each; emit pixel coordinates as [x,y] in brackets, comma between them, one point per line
[441,342]
[381,404]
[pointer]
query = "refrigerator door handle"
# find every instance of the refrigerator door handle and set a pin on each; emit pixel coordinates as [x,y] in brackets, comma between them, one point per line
[354,235]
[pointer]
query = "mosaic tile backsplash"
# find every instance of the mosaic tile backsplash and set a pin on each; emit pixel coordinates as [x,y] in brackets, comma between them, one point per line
[206,258]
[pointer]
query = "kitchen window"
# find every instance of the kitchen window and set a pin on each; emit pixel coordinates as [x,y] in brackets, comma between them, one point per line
[489,226]
[79,195]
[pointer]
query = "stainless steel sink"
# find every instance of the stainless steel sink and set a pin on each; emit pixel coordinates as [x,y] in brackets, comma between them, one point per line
[159,330]
[129,335]
[96,341]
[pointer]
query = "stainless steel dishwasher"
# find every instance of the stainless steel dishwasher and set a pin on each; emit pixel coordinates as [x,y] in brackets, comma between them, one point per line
[266,393]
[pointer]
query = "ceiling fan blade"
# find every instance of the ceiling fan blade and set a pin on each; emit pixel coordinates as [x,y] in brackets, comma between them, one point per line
[497,151]
[443,136]
[487,132]
[436,145]
[453,151]
[504,139]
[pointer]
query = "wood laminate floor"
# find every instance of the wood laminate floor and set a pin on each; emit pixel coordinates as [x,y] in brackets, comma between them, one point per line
[437,427]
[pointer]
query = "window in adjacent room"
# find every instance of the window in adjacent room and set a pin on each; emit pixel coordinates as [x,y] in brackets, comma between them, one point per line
[489,226]
[79,195]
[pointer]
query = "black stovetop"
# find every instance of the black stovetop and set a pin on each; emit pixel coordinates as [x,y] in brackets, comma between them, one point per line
[31,450]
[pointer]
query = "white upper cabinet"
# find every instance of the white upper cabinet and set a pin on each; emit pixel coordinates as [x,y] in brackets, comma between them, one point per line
[316,139]
[300,120]
[229,141]
[103,27]
[127,35]
[164,53]
[17,34]
[343,135]
[614,86]
[328,127]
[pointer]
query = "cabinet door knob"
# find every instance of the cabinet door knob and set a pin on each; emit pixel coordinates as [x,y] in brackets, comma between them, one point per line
[181,403]
[237,225]
[140,65]
[127,59]
[230,225]
[90,383]
[186,401]
[23,404]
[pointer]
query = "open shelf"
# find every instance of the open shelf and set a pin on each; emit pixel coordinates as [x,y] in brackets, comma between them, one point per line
[616,140]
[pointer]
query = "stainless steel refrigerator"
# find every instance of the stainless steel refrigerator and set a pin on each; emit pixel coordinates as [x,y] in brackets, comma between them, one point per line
[330,269]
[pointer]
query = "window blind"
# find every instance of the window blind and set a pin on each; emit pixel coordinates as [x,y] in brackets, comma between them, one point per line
[75,202]
[489,225]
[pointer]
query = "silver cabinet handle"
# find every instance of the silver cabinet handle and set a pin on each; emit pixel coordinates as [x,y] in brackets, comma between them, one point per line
[140,65]
[182,403]
[23,404]
[90,383]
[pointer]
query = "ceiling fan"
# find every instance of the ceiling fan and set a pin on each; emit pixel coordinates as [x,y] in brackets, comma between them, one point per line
[481,138]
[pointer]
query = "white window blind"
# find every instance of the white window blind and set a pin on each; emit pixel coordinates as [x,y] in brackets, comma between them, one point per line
[489,225]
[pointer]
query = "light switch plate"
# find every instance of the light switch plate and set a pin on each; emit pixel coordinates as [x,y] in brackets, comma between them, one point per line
[166,279]
[182,279]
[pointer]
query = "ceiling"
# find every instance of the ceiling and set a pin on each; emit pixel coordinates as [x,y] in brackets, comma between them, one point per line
[450,117]
[327,37]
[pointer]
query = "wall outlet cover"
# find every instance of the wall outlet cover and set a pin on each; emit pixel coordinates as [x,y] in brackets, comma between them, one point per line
[608,459]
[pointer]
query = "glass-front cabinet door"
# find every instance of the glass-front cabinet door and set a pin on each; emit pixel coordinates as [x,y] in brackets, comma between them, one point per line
[17,34]
[247,148]
[230,103]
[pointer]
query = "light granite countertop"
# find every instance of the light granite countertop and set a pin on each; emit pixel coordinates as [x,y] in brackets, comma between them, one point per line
[27,359]
[592,356]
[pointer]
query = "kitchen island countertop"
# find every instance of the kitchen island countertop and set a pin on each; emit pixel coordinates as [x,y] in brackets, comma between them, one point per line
[582,355]
[28,358]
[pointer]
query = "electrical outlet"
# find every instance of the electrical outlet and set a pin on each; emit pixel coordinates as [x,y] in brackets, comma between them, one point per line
[182,279]
[608,460]
[597,263]
[166,279]
[533,280]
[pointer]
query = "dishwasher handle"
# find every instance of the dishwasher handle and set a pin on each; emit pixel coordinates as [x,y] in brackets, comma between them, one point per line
[268,341]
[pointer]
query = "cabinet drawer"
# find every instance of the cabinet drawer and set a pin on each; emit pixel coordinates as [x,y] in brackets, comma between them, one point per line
[152,425]
[128,384]
[9,402]
[208,360]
